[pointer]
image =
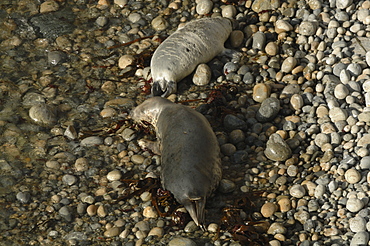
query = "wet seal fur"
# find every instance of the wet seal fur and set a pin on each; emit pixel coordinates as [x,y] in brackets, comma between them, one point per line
[190,153]
[199,41]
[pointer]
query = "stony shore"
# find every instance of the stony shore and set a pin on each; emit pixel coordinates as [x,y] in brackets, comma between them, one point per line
[292,118]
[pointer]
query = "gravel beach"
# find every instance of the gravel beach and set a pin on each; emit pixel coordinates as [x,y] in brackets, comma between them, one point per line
[291,115]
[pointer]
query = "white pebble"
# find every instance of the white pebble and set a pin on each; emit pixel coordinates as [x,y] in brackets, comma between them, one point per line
[114,175]
[297,191]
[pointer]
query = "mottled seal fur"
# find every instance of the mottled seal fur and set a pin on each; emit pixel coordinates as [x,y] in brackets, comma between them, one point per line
[197,42]
[190,153]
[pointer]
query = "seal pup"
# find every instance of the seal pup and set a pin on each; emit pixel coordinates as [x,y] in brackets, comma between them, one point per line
[190,153]
[199,41]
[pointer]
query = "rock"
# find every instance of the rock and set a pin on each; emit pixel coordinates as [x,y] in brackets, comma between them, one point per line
[308,28]
[150,212]
[232,122]
[272,49]
[204,7]
[352,176]
[354,205]
[236,38]
[268,110]
[91,141]
[228,11]
[43,114]
[297,191]
[277,149]
[125,61]
[259,41]
[288,64]
[261,5]
[337,114]
[156,232]
[202,75]
[360,238]
[276,228]
[114,175]
[357,224]
[181,241]
[49,6]
[226,186]
[69,179]
[112,232]
[268,209]
[159,23]
[261,92]
[341,91]
[23,197]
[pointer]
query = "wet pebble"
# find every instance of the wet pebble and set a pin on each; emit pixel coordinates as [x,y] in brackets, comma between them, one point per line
[69,179]
[91,141]
[23,197]
[114,175]
[112,232]
[43,114]
[277,149]
[261,92]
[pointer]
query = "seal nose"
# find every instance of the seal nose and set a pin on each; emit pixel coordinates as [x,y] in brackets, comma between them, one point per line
[156,89]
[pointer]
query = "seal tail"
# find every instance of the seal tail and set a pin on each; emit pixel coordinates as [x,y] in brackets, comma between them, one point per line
[196,209]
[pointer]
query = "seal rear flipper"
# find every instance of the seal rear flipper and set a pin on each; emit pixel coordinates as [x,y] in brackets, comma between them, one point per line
[196,209]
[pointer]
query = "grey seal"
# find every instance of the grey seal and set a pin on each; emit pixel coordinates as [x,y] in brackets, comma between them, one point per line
[197,42]
[190,153]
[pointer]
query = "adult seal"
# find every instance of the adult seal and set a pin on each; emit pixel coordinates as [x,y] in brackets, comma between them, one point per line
[190,153]
[197,42]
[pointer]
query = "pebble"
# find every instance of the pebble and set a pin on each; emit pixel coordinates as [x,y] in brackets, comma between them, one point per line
[228,11]
[49,6]
[202,75]
[69,179]
[337,114]
[272,49]
[204,7]
[112,232]
[276,228]
[261,92]
[226,186]
[297,191]
[23,197]
[191,227]
[352,176]
[307,28]
[156,232]
[288,64]
[65,212]
[259,41]
[181,241]
[91,141]
[360,238]
[125,61]
[159,23]
[354,205]
[43,114]
[269,109]
[236,38]
[114,175]
[268,209]
[277,149]
[357,224]
[150,212]
[341,91]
